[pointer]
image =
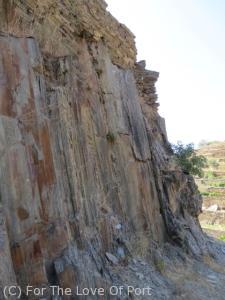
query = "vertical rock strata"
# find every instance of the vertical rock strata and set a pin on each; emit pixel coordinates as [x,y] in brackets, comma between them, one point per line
[85,165]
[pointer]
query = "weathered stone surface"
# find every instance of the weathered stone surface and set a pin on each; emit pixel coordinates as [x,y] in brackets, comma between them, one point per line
[86,168]
[111,258]
[7,274]
[57,25]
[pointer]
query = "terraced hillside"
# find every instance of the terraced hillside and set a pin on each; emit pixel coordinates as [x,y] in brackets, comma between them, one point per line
[212,187]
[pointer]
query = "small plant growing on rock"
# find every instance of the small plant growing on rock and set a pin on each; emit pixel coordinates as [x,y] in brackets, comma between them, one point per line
[111,137]
[99,72]
[159,265]
[86,35]
[88,88]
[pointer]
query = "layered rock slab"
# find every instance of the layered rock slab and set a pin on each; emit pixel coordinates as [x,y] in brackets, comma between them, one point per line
[54,143]
[86,168]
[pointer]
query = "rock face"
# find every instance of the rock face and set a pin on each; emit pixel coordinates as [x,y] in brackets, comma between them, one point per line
[7,273]
[87,178]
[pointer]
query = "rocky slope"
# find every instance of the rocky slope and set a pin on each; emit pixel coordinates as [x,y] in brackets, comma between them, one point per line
[90,193]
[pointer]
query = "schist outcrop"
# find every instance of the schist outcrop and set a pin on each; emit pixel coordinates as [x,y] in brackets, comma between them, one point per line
[91,197]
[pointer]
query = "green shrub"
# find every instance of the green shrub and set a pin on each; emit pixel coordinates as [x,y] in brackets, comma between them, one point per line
[214,194]
[217,184]
[209,175]
[205,194]
[222,237]
[188,160]
[211,194]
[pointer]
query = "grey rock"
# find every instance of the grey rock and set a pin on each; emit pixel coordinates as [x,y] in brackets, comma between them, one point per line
[118,226]
[111,258]
[140,276]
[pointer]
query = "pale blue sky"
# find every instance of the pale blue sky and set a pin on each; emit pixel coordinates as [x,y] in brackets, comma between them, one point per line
[185,41]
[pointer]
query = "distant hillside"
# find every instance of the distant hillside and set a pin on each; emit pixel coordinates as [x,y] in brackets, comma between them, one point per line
[212,188]
[215,154]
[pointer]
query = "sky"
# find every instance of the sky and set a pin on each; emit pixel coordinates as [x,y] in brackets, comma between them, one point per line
[185,41]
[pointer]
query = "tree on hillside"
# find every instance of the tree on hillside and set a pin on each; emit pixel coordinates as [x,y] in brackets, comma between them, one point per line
[188,159]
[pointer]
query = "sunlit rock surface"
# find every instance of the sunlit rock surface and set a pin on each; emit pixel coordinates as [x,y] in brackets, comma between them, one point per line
[90,193]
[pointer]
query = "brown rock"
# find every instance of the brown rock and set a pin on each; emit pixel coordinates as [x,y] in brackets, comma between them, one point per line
[68,80]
